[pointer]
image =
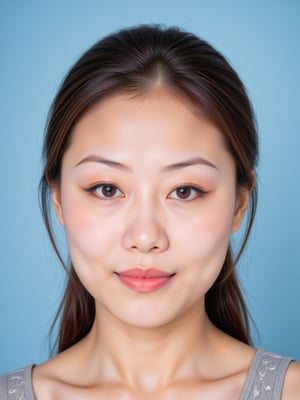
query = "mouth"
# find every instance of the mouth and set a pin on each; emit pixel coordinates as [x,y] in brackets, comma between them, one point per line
[144,280]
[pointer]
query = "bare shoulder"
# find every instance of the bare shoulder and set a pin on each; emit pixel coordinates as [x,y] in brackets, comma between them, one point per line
[291,388]
[44,379]
[53,375]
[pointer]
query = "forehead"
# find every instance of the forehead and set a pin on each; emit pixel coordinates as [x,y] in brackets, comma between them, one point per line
[147,134]
[156,120]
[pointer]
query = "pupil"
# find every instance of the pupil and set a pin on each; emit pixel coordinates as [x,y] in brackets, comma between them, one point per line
[109,191]
[183,192]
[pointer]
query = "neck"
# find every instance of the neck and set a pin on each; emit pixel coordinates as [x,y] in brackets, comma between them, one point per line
[150,358]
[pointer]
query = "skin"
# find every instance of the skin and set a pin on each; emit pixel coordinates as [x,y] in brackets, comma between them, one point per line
[161,344]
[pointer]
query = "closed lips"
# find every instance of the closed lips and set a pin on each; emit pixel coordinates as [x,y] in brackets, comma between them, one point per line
[148,273]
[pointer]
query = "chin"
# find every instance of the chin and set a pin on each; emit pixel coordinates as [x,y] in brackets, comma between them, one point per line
[143,316]
[151,315]
[147,323]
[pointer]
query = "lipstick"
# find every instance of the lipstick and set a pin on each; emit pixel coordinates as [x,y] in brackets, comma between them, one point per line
[144,280]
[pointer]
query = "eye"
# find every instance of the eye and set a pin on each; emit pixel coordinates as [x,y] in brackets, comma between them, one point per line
[105,191]
[186,193]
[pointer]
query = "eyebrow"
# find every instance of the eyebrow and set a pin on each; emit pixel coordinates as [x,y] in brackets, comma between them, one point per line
[115,164]
[105,161]
[189,162]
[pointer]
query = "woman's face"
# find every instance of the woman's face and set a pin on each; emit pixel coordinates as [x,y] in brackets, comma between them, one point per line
[147,183]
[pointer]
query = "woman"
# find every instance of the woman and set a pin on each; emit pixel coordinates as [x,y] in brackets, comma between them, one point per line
[150,160]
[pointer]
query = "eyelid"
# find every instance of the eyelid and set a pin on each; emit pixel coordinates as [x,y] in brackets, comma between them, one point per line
[199,192]
[196,191]
[92,189]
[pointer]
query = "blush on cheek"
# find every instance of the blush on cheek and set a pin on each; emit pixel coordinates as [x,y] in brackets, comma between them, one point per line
[219,224]
[208,236]
[83,229]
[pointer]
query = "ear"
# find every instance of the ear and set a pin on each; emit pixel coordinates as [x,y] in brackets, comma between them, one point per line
[242,201]
[56,200]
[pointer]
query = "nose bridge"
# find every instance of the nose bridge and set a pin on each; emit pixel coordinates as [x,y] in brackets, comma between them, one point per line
[145,231]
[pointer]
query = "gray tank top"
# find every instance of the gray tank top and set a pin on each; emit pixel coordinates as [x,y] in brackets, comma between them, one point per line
[264,380]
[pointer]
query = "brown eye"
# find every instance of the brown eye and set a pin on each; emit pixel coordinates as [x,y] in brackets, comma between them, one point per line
[186,193]
[106,191]
[183,192]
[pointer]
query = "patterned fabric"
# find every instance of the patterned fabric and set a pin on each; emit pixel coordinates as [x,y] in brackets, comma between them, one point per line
[264,381]
[266,376]
[17,385]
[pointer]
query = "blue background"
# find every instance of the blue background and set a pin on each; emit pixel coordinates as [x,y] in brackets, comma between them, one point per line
[39,41]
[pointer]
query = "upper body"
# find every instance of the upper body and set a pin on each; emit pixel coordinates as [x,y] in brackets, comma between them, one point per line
[150,158]
[265,380]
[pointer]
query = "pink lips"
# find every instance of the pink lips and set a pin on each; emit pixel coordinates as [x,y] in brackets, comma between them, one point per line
[144,280]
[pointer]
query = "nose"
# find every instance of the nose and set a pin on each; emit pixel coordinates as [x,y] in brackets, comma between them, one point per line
[144,233]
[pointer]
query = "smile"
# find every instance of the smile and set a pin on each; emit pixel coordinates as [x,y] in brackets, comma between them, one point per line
[144,280]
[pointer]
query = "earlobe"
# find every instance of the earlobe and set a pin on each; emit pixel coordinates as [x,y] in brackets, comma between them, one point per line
[242,201]
[56,200]
[241,208]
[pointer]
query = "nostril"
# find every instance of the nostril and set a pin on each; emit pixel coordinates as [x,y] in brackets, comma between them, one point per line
[145,236]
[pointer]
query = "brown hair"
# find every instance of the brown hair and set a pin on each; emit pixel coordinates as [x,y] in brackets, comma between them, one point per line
[133,60]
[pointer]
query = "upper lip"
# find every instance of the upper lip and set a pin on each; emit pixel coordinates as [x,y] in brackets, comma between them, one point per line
[142,273]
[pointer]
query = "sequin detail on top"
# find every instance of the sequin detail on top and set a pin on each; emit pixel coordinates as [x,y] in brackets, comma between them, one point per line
[15,389]
[264,381]
[266,377]
[17,385]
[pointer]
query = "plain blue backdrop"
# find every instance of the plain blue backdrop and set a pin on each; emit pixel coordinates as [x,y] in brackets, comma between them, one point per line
[39,42]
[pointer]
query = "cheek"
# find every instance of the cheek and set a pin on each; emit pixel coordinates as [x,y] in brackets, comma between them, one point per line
[87,232]
[209,232]
[203,245]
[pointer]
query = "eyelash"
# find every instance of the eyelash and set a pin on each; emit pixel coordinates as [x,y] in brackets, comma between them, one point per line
[94,188]
[197,192]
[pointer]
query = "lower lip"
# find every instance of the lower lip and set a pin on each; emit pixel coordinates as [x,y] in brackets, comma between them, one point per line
[145,285]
